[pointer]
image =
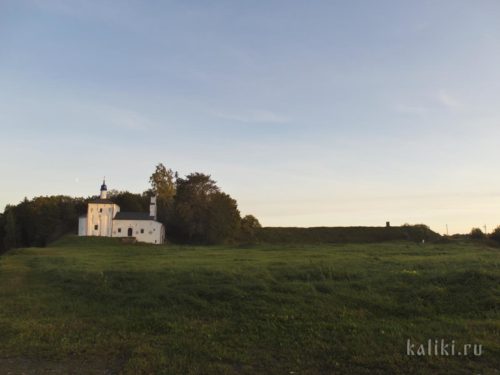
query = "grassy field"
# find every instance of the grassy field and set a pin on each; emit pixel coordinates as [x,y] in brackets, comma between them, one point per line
[94,306]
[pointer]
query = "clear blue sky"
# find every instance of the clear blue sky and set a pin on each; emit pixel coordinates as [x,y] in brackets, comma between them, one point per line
[307,112]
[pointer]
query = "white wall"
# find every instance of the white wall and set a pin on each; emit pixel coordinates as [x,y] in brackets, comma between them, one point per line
[101,214]
[149,231]
[82,226]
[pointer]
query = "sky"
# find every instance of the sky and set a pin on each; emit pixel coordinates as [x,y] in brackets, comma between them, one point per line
[308,113]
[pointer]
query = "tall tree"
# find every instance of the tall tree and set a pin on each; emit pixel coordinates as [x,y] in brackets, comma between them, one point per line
[10,236]
[163,185]
[223,221]
[203,213]
[163,182]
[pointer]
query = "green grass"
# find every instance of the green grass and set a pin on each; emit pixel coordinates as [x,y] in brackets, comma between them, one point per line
[319,309]
[328,235]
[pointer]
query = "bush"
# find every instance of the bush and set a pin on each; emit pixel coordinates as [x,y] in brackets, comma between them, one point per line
[495,235]
[248,227]
[477,234]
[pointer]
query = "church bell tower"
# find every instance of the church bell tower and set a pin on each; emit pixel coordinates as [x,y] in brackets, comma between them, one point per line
[104,190]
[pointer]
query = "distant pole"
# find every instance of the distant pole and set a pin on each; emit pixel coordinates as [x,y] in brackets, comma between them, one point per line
[447,230]
[485,229]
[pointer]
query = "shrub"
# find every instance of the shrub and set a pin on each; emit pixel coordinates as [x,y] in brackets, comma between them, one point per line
[495,235]
[248,227]
[477,234]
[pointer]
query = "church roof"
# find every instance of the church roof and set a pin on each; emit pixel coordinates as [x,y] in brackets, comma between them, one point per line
[133,216]
[100,200]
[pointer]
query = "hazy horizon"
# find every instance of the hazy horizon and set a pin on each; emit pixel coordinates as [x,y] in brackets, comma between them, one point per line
[332,114]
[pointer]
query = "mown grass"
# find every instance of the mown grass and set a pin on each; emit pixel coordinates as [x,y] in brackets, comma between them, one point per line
[321,309]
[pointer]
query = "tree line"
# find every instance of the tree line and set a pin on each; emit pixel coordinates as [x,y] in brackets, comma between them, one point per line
[192,208]
[195,210]
[478,234]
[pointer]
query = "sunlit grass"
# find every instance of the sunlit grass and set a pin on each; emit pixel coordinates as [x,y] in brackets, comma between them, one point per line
[318,309]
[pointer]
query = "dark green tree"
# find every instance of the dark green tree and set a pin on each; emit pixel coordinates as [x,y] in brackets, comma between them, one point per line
[495,235]
[248,228]
[203,214]
[223,219]
[41,220]
[477,234]
[129,201]
[25,214]
[10,239]
[250,222]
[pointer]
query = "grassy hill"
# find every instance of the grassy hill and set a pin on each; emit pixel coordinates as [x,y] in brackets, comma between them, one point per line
[322,235]
[94,306]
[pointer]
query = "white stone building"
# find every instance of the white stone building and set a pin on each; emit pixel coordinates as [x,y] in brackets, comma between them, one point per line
[104,219]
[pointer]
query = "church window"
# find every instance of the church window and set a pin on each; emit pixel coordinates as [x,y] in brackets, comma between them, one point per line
[119,230]
[100,209]
[96,227]
[142,230]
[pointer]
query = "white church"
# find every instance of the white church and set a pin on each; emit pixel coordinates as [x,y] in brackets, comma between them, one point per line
[104,219]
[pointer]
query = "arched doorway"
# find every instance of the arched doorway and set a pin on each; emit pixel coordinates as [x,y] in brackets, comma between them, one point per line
[130,232]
